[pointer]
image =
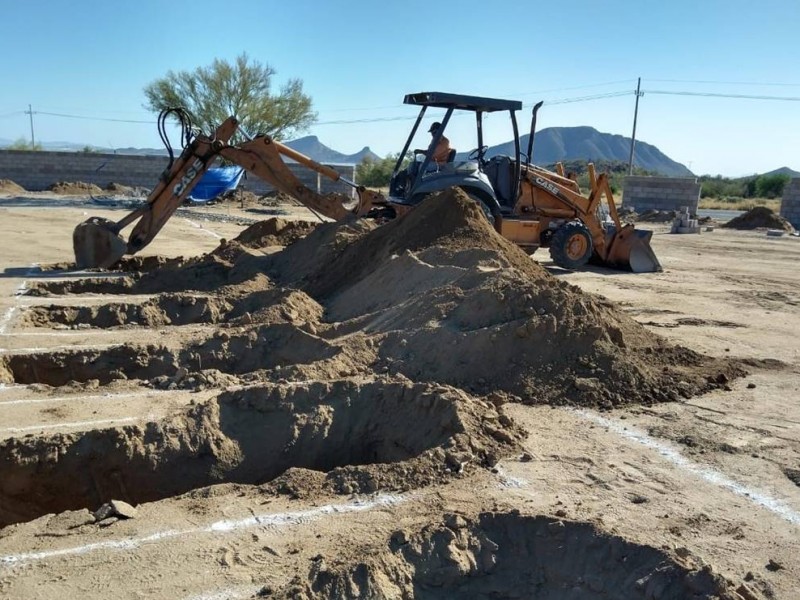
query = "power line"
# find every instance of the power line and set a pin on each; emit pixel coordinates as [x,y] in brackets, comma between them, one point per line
[716,95]
[764,83]
[67,116]
[588,98]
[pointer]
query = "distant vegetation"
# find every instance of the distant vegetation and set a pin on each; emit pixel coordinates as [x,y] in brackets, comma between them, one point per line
[23,144]
[768,186]
[377,173]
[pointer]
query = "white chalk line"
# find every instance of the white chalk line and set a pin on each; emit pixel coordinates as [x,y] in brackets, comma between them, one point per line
[226,526]
[5,320]
[73,424]
[510,481]
[61,348]
[199,226]
[234,593]
[62,332]
[76,398]
[710,474]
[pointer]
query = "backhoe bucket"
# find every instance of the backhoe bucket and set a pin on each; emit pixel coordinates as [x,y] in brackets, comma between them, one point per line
[97,244]
[630,249]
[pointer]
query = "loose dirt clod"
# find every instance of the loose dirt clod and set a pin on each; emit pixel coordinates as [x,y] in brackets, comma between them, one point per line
[759,217]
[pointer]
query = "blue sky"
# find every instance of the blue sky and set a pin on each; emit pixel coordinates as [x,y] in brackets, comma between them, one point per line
[358,59]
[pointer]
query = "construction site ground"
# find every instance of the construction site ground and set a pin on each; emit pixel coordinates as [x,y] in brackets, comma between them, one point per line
[567,501]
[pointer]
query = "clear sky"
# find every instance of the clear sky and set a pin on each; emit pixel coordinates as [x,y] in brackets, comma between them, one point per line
[358,59]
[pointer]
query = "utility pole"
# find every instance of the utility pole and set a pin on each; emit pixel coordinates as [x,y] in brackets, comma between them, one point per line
[635,116]
[33,139]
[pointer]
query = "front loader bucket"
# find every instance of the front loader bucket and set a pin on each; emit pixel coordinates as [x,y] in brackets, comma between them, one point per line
[97,244]
[630,249]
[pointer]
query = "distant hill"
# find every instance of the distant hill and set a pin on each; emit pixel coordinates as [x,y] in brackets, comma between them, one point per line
[313,148]
[561,144]
[784,171]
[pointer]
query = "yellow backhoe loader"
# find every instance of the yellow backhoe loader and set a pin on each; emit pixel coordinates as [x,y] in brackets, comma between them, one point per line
[528,205]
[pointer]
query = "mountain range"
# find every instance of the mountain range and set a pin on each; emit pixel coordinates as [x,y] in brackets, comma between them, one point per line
[551,145]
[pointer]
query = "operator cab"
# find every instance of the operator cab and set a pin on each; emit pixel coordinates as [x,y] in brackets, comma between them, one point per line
[494,181]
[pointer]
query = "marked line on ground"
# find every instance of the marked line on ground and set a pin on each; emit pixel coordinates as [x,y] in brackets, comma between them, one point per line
[275,520]
[73,424]
[241,592]
[705,472]
[96,397]
[62,332]
[58,348]
[5,320]
[199,226]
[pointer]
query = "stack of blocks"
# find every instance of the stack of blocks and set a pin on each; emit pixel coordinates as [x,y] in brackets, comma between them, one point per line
[684,223]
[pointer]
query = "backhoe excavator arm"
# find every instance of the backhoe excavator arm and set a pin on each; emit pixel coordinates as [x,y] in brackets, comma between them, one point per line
[97,242]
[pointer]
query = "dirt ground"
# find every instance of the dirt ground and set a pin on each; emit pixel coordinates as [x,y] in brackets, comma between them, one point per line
[415,410]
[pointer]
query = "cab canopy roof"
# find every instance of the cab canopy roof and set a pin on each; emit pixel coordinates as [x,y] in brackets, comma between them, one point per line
[460,102]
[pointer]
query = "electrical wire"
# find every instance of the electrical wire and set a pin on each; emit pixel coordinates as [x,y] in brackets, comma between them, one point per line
[755,83]
[68,116]
[716,95]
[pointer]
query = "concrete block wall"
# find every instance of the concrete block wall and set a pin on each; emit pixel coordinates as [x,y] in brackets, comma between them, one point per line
[661,193]
[790,203]
[37,171]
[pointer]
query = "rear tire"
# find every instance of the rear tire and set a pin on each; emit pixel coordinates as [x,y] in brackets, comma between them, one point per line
[571,246]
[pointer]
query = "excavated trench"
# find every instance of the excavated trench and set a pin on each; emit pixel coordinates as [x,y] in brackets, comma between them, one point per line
[251,436]
[507,555]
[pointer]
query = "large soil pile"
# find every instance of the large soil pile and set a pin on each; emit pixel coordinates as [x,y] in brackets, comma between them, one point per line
[757,218]
[437,296]
[9,187]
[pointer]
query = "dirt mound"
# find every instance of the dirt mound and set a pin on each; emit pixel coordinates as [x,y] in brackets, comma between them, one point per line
[507,555]
[656,216]
[74,188]
[757,218]
[388,435]
[274,232]
[9,187]
[437,296]
[450,221]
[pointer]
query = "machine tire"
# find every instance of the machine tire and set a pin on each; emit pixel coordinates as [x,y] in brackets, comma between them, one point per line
[571,246]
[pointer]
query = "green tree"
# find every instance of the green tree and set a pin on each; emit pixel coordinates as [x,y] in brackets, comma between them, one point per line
[771,186]
[23,144]
[377,173]
[241,89]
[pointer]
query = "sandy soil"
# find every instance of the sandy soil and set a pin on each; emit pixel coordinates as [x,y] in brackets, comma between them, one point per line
[362,448]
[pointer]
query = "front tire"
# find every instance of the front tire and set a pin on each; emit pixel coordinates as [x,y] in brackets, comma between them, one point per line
[571,246]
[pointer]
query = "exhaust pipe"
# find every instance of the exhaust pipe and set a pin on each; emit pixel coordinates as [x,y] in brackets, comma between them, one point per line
[535,110]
